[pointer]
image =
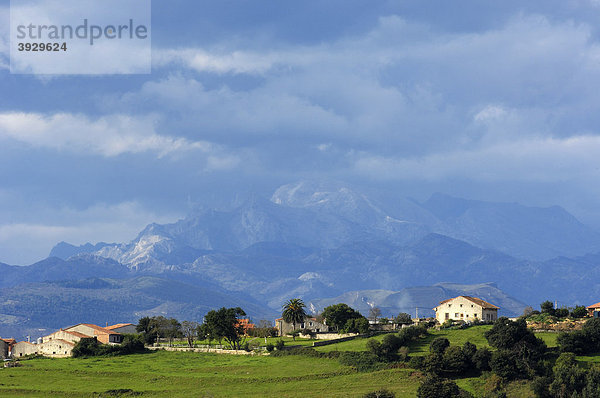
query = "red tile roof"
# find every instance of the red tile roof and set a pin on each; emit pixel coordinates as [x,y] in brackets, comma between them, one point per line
[475,300]
[119,325]
[97,328]
[597,305]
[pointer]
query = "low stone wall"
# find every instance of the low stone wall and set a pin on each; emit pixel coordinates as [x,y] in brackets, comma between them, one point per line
[211,350]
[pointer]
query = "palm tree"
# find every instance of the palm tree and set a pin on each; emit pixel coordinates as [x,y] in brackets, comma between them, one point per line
[293,312]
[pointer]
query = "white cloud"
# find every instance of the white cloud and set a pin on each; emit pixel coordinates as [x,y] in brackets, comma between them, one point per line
[236,62]
[107,136]
[530,160]
[26,242]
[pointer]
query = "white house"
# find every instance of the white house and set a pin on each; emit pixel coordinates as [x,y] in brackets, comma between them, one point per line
[467,309]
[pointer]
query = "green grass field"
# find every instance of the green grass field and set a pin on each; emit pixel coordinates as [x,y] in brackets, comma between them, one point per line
[183,374]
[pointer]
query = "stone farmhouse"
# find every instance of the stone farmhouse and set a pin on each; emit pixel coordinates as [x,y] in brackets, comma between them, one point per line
[104,335]
[311,324]
[465,308]
[55,348]
[60,343]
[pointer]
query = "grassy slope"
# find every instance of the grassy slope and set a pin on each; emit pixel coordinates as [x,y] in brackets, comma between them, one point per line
[177,374]
[180,374]
[474,334]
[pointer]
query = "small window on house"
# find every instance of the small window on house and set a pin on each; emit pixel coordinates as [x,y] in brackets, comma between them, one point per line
[302,325]
[461,306]
[471,305]
[456,315]
[310,324]
[449,305]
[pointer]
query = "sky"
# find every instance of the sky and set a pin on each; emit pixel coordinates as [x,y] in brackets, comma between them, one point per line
[479,99]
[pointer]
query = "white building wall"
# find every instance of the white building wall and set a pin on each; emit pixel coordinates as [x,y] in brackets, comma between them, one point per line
[462,309]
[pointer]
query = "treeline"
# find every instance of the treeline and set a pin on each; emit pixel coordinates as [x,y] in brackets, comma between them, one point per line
[222,326]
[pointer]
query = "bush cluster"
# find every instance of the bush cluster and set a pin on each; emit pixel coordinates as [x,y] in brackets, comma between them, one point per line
[90,347]
[584,341]
[388,349]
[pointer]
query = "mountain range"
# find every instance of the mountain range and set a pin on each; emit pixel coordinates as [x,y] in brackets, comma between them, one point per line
[323,242]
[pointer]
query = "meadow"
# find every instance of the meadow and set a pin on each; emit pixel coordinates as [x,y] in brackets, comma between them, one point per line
[183,374]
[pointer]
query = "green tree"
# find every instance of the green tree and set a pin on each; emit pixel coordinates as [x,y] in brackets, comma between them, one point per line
[569,378]
[469,349]
[579,312]
[190,331]
[517,344]
[357,325]
[504,364]
[561,312]
[145,328]
[223,324]
[172,330]
[293,312]
[547,307]
[403,319]
[482,358]
[436,387]
[337,315]
[439,345]
[455,360]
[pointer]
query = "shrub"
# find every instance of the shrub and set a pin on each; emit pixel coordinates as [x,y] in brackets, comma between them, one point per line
[439,345]
[416,362]
[270,347]
[380,394]
[575,342]
[362,361]
[481,359]
[454,360]
[279,345]
[540,387]
[356,325]
[584,341]
[579,312]
[469,349]
[89,347]
[504,364]
[436,387]
[561,312]
[433,363]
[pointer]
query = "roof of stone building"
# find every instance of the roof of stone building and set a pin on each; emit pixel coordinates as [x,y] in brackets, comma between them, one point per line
[475,300]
